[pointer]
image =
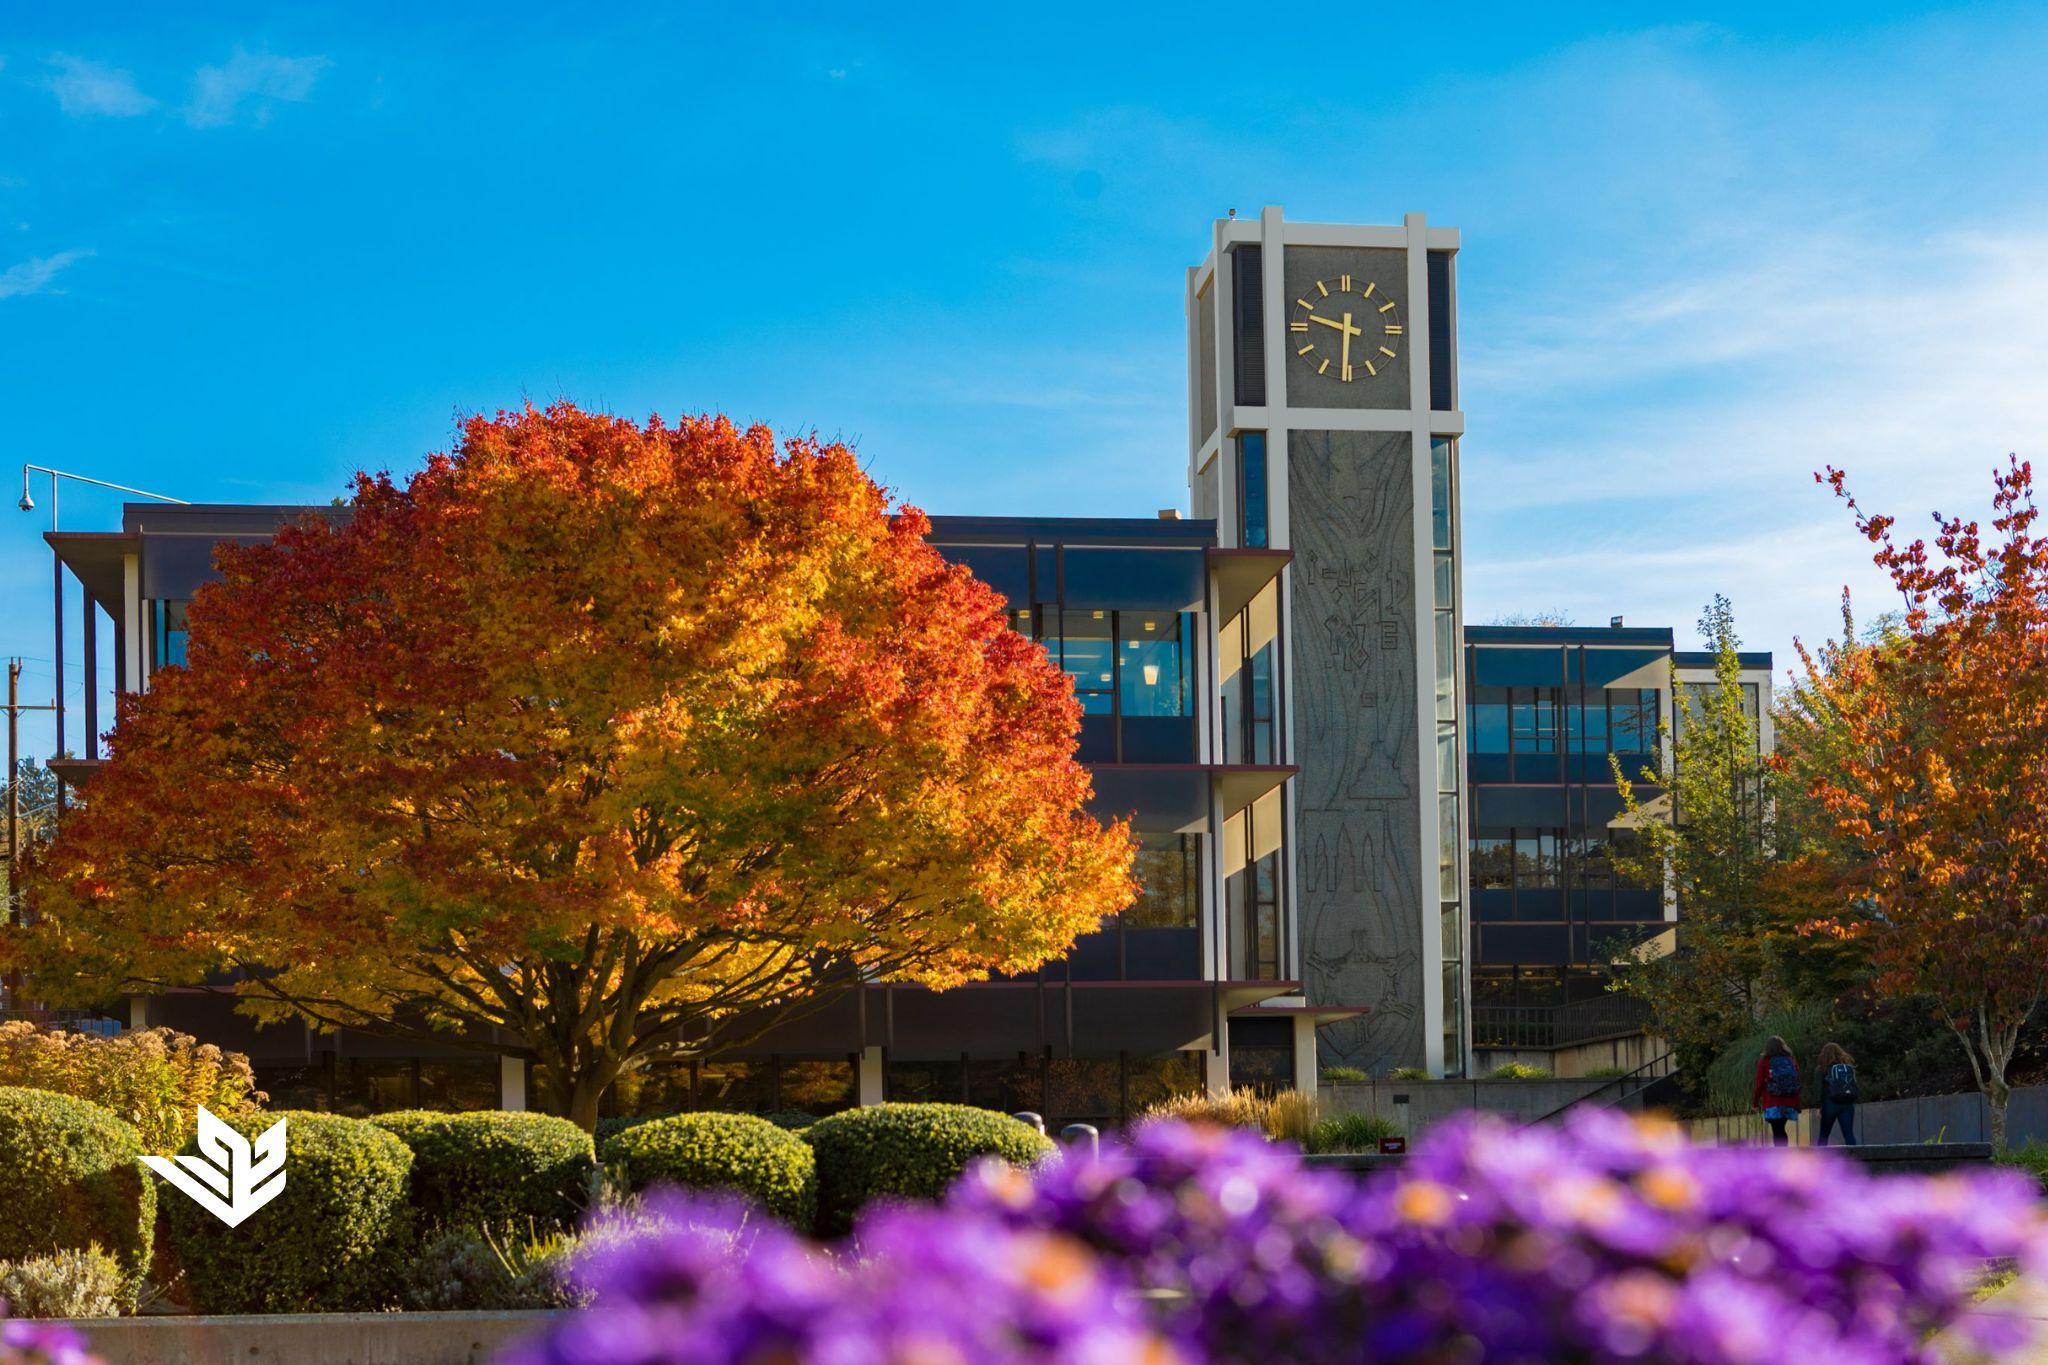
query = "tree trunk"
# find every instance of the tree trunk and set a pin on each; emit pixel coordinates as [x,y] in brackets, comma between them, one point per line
[1997,1097]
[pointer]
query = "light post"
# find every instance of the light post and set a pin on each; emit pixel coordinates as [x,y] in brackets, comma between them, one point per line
[28,504]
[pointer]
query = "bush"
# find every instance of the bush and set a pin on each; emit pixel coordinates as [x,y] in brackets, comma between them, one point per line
[491,1168]
[75,1283]
[331,1241]
[1352,1133]
[1289,1116]
[913,1151]
[720,1151]
[72,1178]
[2031,1157]
[1518,1071]
[473,1270]
[153,1078]
[1410,1073]
[796,1120]
[1344,1075]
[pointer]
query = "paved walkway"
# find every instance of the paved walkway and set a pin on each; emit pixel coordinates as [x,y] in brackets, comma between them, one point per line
[2022,1298]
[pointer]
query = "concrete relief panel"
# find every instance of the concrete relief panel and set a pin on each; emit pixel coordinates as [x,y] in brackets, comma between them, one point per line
[1336,304]
[1358,861]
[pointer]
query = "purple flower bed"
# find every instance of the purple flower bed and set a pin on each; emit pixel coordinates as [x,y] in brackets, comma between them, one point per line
[41,1343]
[1603,1240]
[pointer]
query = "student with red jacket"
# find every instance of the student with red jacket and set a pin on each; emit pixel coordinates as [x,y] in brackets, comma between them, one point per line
[1776,1089]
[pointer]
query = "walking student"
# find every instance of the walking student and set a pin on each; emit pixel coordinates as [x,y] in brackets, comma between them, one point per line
[1837,1092]
[1776,1090]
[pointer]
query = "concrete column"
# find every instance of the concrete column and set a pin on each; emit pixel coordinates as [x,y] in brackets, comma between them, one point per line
[1305,1053]
[138,1011]
[870,1076]
[512,1084]
[1216,1066]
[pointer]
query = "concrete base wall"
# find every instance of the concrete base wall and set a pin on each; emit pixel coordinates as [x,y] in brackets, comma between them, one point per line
[310,1338]
[1627,1053]
[1928,1118]
[1416,1105]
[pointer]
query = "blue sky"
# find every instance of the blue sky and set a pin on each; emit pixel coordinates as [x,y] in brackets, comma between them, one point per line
[246,251]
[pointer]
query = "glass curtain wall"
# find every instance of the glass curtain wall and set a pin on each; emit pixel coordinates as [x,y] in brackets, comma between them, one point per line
[1248,646]
[1251,890]
[1450,768]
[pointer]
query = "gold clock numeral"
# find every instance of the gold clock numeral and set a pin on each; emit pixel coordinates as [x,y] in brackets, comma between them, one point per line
[1306,304]
[1393,329]
[1297,326]
[1366,293]
[1347,374]
[1387,353]
[1387,305]
[1323,368]
[1343,284]
[1306,349]
[1322,289]
[1369,369]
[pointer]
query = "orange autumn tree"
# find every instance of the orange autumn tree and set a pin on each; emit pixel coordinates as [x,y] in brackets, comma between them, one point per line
[1938,786]
[590,743]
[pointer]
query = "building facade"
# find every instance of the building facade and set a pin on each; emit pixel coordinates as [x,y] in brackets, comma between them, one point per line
[1355,816]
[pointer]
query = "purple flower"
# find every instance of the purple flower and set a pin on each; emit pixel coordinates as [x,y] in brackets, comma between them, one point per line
[41,1343]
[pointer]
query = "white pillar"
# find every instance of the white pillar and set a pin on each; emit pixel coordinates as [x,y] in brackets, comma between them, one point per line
[1305,1053]
[512,1084]
[1216,1065]
[870,1076]
[138,1011]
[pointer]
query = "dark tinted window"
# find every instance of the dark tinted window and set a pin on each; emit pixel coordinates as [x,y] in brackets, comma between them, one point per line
[1248,325]
[1442,385]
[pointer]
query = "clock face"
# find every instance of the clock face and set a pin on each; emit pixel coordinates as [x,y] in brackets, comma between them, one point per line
[1346,328]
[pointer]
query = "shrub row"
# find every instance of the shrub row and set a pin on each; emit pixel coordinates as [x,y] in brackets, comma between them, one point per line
[448,1194]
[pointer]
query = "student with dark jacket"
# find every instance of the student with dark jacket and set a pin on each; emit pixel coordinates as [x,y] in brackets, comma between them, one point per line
[1837,1092]
[1776,1089]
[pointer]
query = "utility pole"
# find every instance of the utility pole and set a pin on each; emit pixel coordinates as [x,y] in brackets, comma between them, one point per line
[14,710]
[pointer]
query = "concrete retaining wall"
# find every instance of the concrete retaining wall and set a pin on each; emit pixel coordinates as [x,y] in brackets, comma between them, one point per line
[1575,1060]
[310,1338]
[1928,1118]
[1415,1105]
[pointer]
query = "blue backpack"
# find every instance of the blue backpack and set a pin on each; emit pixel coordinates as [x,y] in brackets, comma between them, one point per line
[1842,1083]
[1783,1078]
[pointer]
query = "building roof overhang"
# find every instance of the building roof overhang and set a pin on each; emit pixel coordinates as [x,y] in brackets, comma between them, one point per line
[1176,797]
[94,558]
[1240,575]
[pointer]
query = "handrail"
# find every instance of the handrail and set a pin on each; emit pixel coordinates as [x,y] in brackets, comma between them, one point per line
[1665,1060]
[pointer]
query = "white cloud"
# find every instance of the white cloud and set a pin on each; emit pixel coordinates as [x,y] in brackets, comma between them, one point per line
[34,275]
[248,85]
[83,87]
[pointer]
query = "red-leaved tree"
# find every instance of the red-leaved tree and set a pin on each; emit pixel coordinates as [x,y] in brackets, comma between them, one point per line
[590,743]
[1938,780]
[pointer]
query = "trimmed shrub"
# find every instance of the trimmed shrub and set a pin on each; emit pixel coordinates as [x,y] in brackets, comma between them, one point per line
[491,1168]
[153,1078]
[1344,1075]
[76,1283]
[71,1178]
[1351,1133]
[469,1270]
[908,1151]
[1289,1116]
[720,1151]
[796,1120]
[332,1240]
[1518,1071]
[2031,1157]
[1410,1073]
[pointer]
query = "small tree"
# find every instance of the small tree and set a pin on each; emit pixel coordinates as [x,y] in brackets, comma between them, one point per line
[1940,779]
[1708,841]
[595,743]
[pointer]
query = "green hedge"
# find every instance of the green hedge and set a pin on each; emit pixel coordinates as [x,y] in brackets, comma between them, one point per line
[71,1177]
[333,1240]
[720,1151]
[487,1168]
[910,1151]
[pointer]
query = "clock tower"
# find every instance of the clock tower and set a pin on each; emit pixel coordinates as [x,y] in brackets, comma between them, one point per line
[1324,421]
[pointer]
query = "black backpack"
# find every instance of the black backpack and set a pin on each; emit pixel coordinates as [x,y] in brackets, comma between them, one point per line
[1841,1084]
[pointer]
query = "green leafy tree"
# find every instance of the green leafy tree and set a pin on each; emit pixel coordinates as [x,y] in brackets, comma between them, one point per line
[1707,839]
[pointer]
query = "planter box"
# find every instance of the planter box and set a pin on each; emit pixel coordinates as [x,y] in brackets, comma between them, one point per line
[310,1338]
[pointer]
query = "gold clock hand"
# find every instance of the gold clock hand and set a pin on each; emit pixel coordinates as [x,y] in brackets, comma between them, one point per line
[1345,326]
[1346,360]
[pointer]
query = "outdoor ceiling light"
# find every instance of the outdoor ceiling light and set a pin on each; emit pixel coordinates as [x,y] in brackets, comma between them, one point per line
[1151,675]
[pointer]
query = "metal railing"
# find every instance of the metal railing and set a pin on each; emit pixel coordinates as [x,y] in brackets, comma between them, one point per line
[1620,1089]
[1582,1021]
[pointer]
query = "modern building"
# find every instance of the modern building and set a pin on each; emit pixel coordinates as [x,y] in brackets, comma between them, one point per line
[1278,692]
[1549,712]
